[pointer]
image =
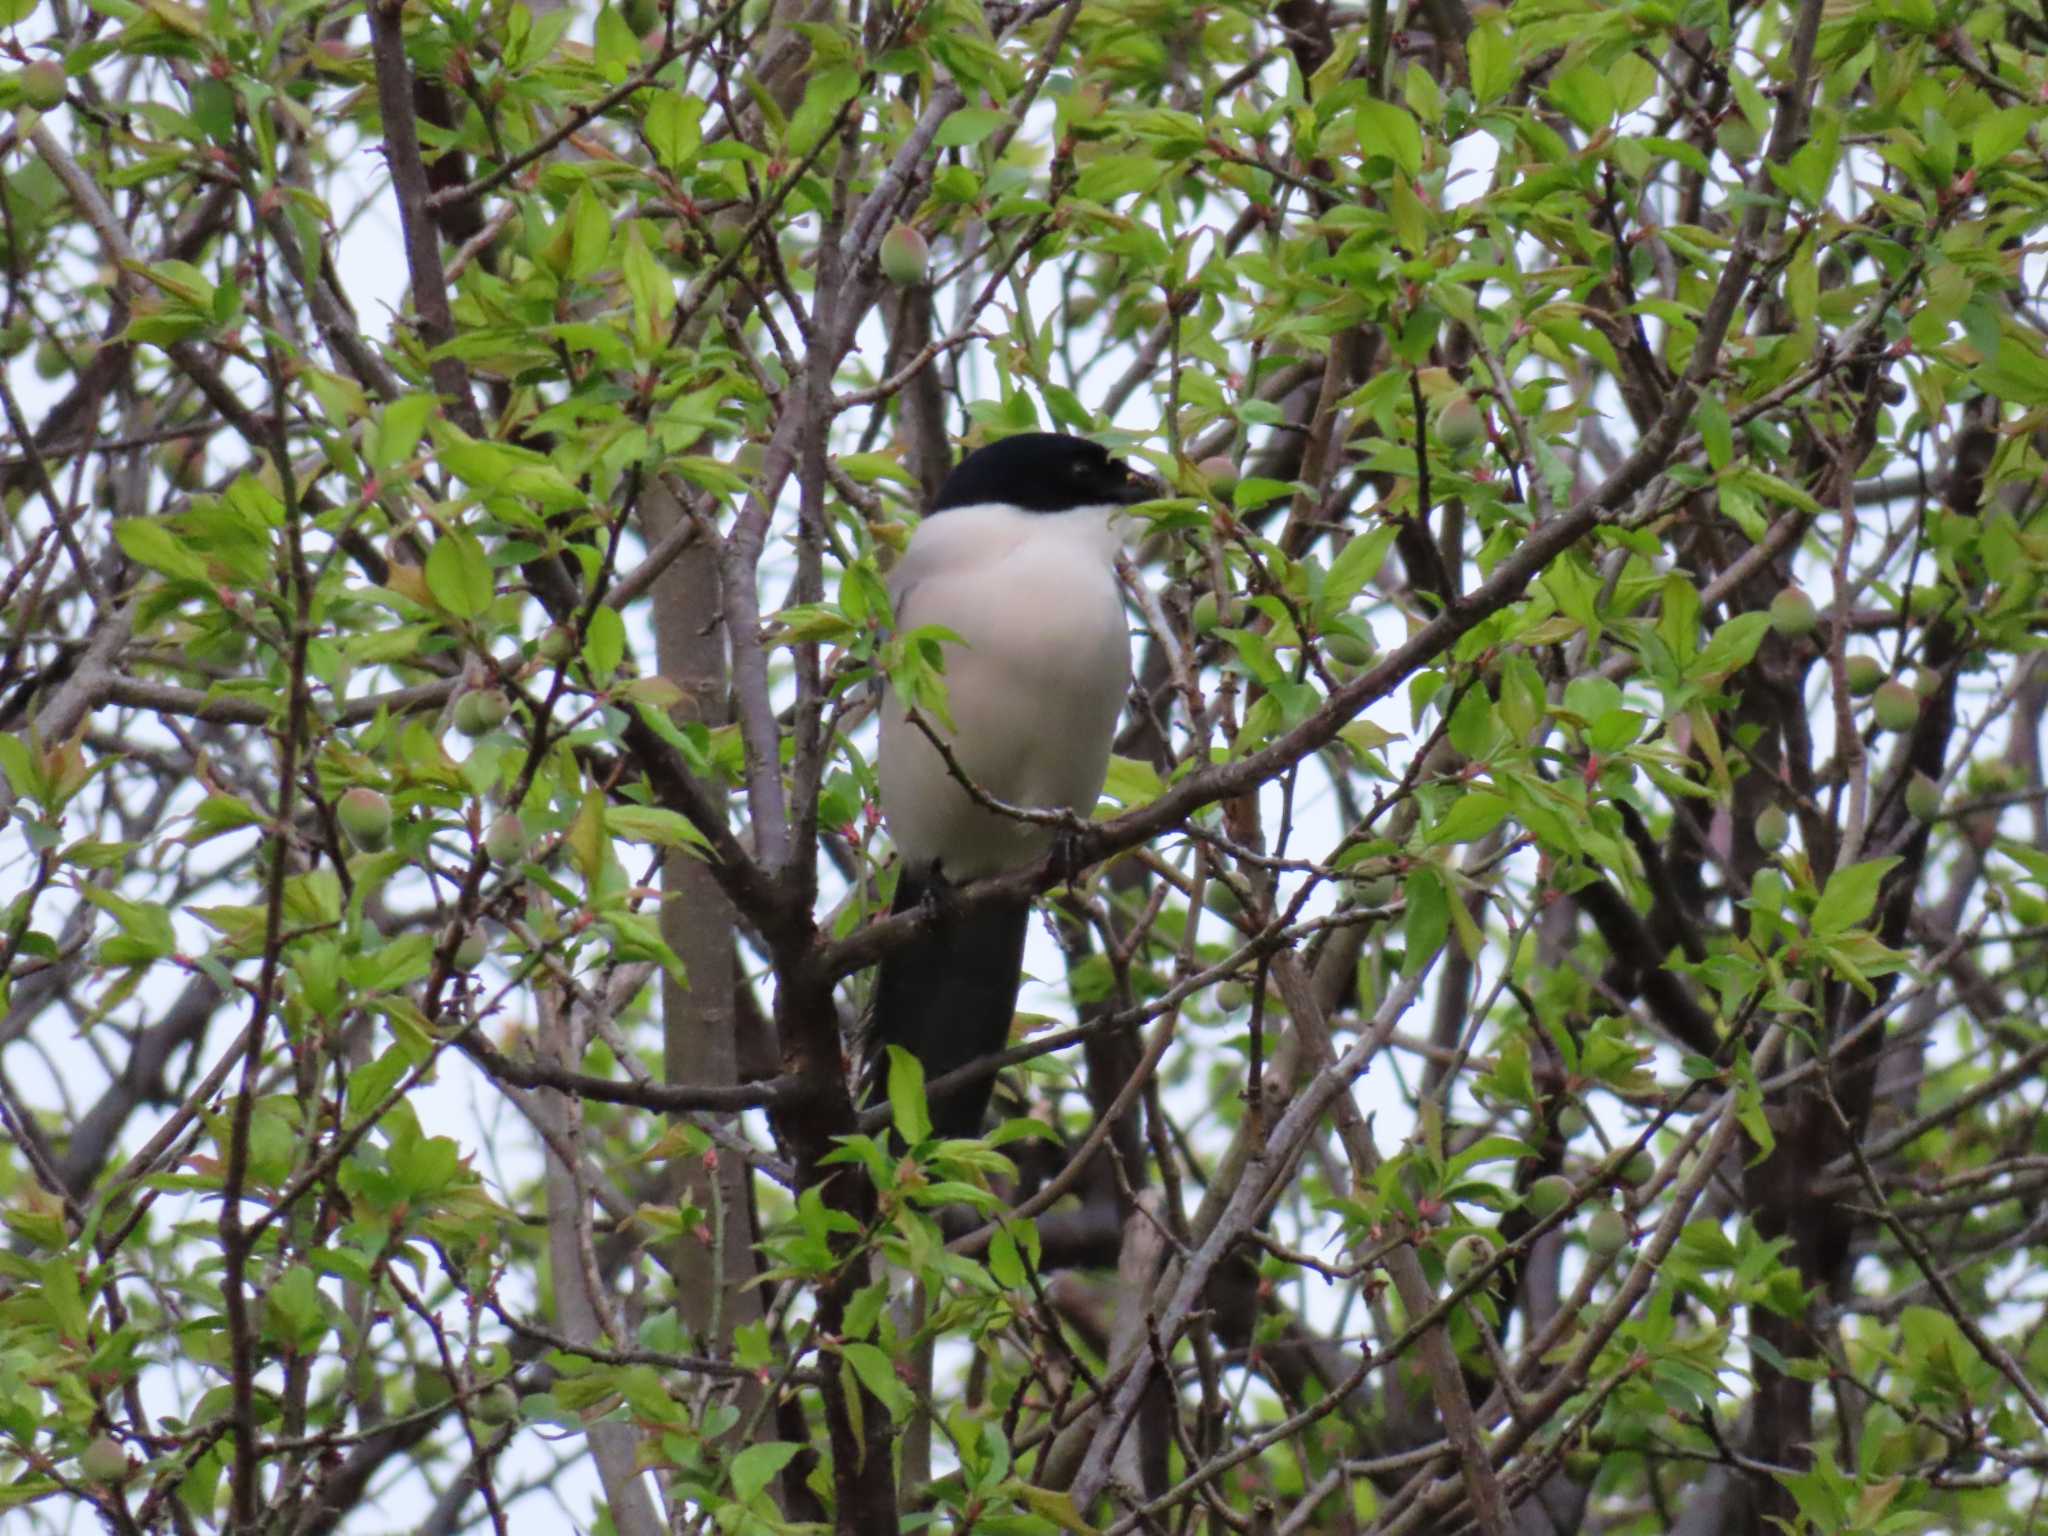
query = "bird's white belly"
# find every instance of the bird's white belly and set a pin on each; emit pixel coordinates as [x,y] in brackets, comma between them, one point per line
[1034,693]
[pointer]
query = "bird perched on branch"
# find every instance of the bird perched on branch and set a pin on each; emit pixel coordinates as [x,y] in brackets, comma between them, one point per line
[1018,558]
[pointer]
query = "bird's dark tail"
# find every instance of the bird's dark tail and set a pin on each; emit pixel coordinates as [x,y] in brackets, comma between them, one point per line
[948,996]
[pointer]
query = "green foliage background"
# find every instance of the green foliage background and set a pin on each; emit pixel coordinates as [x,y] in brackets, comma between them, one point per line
[1588,708]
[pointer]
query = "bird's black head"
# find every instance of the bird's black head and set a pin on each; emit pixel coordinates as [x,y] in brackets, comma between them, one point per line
[1044,472]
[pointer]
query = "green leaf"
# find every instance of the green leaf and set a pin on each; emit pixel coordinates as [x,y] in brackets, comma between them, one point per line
[1254,491]
[673,126]
[1005,1262]
[459,575]
[505,469]
[2017,373]
[148,542]
[1850,896]
[1678,622]
[2029,858]
[398,431]
[590,233]
[906,1097]
[1712,420]
[652,291]
[812,624]
[1132,783]
[604,643]
[970,125]
[1110,177]
[1392,131]
[24,775]
[651,824]
[1729,649]
[1585,96]
[1491,59]
[1473,730]
[877,1372]
[61,1295]
[146,934]
[617,53]
[1356,564]
[1997,134]
[756,1466]
[1056,1505]
[294,1311]
[1428,920]
[1476,813]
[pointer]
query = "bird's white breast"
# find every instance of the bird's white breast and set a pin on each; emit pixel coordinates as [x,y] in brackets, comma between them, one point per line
[1034,689]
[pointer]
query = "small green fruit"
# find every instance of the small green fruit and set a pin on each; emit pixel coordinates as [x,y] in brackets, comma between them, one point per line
[43,84]
[1926,682]
[555,645]
[104,1462]
[1583,1466]
[1378,891]
[1350,649]
[1773,826]
[640,16]
[52,362]
[481,711]
[1458,423]
[505,839]
[1896,706]
[1638,1168]
[1219,473]
[1468,1254]
[1571,1121]
[1207,617]
[1865,673]
[495,1405]
[365,816]
[1607,1232]
[470,953]
[1792,613]
[905,256]
[430,1388]
[1219,898]
[1233,996]
[1923,797]
[1927,602]
[1548,1195]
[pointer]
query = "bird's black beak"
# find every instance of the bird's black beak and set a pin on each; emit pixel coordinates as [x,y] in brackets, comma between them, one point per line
[1136,486]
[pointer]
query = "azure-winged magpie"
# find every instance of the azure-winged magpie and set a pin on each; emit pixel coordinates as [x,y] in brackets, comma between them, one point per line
[1016,557]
